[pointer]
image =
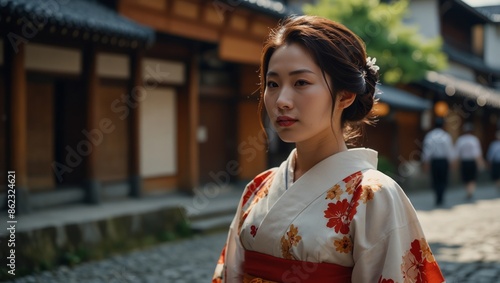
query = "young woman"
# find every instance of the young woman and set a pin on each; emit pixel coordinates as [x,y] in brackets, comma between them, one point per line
[326,214]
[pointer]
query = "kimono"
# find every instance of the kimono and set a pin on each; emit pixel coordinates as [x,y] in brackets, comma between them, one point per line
[341,216]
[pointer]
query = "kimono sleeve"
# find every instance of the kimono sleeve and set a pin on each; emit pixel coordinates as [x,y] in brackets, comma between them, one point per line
[229,265]
[389,243]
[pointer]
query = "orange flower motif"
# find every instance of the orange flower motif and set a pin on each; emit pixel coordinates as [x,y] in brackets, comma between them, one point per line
[334,192]
[291,239]
[367,194]
[292,235]
[263,192]
[256,183]
[369,190]
[352,182]
[285,248]
[242,219]
[344,245]
[426,251]
[222,258]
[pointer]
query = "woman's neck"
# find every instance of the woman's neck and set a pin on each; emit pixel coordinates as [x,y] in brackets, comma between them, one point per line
[310,154]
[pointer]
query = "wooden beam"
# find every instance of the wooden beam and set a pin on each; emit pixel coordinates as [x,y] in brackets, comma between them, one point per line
[17,127]
[193,110]
[237,48]
[135,87]
[90,81]
[171,21]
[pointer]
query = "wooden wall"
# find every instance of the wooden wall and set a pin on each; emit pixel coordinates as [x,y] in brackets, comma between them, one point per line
[40,141]
[252,145]
[112,151]
[238,31]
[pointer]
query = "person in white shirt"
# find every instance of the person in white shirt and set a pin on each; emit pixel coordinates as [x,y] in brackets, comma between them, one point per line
[493,158]
[469,153]
[438,154]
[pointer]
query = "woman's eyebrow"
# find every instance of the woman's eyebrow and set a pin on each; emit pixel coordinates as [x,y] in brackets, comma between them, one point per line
[295,72]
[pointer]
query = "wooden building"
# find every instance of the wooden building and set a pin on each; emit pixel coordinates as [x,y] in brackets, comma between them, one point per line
[219,44]
[468,91]
[108,99]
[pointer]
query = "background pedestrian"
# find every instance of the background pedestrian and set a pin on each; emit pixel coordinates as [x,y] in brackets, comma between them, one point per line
[470,155]
[438,154]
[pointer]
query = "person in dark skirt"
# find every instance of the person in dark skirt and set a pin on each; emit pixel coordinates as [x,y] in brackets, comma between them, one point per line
[437,157]
[470,154]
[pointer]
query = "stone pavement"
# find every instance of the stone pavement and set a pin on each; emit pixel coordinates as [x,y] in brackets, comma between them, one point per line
[464,236]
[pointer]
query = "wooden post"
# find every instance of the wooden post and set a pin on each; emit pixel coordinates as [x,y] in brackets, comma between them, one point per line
[136,85]
[17,128]
[193,108]
[90,80]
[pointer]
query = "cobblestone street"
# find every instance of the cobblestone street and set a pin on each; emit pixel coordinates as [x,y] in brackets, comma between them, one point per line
[185,261]
[464,236]
[466,240]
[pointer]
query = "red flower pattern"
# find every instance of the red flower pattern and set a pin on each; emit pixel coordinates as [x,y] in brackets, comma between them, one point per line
[419,265]
[381,280]
[341,213]
[256,184]
[253,230]
[352,182]
[338,216]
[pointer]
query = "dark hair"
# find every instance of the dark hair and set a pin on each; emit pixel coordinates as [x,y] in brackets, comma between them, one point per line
[339,53]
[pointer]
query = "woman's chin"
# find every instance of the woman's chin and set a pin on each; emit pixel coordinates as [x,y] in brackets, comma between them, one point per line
[286,137]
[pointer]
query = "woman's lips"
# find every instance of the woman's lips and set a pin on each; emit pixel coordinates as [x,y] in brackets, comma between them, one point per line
[285,121]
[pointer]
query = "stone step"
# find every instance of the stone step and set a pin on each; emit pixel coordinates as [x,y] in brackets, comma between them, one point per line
[213,224]
[213,214]
[213,218]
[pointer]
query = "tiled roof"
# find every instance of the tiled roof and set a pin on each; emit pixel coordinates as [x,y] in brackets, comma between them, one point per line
[401,99]
[272,7]
[83,15]
[491,12]
[469,60]
[451,85]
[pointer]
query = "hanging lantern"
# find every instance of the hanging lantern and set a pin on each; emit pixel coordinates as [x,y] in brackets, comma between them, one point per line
[381,109]
[441,108]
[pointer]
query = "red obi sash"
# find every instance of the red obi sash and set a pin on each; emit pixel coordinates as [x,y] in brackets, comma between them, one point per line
[269,268]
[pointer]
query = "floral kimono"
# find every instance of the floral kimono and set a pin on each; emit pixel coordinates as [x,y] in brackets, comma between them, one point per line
[342,221]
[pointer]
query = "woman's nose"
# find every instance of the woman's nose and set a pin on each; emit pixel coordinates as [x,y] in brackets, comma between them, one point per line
[285,99]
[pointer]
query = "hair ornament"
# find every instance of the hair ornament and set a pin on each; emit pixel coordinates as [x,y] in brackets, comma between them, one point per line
[372,67]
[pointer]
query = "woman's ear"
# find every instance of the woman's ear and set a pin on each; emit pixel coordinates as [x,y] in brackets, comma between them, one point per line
[345,99]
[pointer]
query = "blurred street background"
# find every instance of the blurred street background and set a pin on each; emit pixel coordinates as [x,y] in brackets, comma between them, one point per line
[129,128]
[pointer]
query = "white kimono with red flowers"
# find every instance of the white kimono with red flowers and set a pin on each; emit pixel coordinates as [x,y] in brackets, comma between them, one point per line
[342,211]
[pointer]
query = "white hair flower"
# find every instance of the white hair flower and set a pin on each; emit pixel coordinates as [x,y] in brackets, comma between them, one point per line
[370,64]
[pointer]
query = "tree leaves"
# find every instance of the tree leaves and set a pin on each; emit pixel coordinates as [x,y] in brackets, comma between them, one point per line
[402,53]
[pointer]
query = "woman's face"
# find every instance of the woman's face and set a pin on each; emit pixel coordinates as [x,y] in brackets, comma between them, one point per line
[297,98]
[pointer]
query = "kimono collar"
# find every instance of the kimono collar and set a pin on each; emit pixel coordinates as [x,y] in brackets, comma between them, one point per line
[365,158]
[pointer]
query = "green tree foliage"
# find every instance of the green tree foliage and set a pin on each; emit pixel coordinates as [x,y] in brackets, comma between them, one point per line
[402,53]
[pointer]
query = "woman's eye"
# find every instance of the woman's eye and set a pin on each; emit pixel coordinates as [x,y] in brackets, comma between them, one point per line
[272,84]
[301,83]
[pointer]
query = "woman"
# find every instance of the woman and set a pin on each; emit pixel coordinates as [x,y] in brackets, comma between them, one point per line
[469,153]
[326,214]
